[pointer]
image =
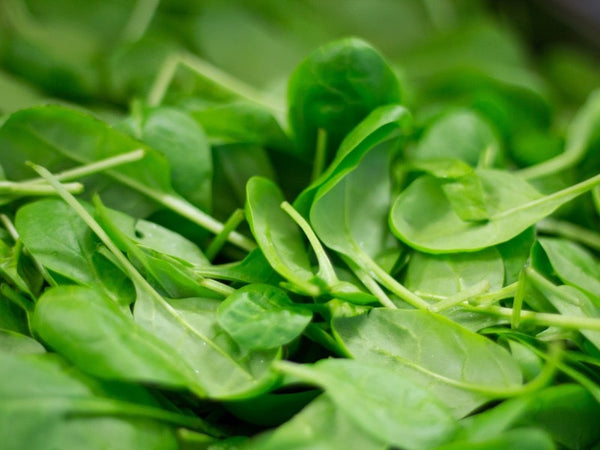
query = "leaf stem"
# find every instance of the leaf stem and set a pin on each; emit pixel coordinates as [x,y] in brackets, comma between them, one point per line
[390,282]
[369,283]
[320,154]
[96,166]
[326,270]
[139,20]
[567,194]
[571,231]
[458,298]
[212,73]
[558,163]
[538,318]
[25,188]
[234,221]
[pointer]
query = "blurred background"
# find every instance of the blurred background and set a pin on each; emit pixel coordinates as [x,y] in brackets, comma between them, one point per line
[525,65]
[103,52]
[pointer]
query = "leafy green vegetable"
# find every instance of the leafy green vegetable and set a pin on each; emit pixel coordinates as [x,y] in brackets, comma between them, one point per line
[261,317]
[210,240]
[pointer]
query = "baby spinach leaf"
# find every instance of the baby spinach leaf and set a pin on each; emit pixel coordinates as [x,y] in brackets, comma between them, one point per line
[95,335]
[13,317]
[50,404]
[449,274]
[380,401]
[254,268]
[461,368]
[58,137]
[351,219]
[16,343]
[422,216]
[334,88]
[278,236]
[571,263]
[382,124]
[189,326]
[523,438]
[461,134]
[240,122]
[184,144]
[261,317]
[320,425]
[63,244]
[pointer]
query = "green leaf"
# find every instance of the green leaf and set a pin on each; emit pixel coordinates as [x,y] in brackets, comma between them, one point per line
[320,425]
[381,402]
[261,317]
[279,237]
[382,124]
[44,404]
[461,368]
[572,264]
[335,88]
[423,218]
[64,245]
[461,134]
[189,326]
[183,143]
[449,274]
[99,338]
[16,343]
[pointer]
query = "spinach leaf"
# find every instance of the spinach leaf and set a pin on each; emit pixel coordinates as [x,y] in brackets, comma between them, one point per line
[59,137]
[320,425]
[63,244]
[461,368]
[95,335]
[383,124]
[279,237]
[380,401]
[16,343]
[571,263]
[463,135]
[423,217]
[448,275]
[334,88]
[183,142]
[261,317]
[49,403]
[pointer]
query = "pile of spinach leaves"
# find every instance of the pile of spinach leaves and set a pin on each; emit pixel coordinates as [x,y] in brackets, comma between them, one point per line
[398,251]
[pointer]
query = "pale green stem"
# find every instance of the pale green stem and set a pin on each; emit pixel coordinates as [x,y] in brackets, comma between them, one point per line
[139,20]
[326,270]
[565,160]
[234,221]
[564,194]
[571,231]
[538,318]
[10,227]
[518,301]
[492,297]
[390,282]
[21,189]
[210,72]
[462,296]
[216,286]
[96,166]
[320,154]
[370,284]
[596,198]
